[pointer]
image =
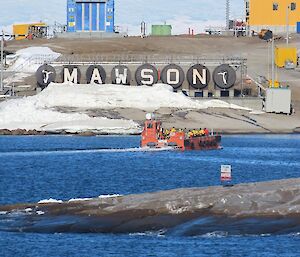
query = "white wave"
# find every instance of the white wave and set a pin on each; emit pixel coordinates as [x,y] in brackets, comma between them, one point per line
[125,150]
[3,212]
[216,234]
[40,213]
[159,233]
[295,234]
[50,201]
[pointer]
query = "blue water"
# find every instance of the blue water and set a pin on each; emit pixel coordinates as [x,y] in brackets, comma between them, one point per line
[36,168]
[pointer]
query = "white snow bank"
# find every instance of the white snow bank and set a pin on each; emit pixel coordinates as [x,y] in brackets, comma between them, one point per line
[119,96]
[34,113]
[39,111]
[30,59]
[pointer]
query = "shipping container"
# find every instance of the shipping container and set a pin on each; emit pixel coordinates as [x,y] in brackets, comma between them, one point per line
[21,30]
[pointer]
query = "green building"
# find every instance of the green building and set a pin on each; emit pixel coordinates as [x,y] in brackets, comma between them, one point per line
[161,30]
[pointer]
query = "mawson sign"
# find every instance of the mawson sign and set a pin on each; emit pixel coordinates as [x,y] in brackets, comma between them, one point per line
[198,76]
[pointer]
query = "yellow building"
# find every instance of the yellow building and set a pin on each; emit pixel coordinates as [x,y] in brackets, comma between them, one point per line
[272,14]
[21,31]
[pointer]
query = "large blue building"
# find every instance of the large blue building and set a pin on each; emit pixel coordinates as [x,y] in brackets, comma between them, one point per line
[91,15]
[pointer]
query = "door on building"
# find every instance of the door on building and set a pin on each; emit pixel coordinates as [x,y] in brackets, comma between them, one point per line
[90,16]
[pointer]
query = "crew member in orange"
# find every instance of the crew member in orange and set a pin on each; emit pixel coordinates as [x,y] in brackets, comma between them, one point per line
[206,131]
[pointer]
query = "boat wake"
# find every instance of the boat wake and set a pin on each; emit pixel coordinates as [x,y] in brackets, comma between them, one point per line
[83,151]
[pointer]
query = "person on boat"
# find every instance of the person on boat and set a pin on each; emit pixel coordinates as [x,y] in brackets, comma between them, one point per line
[202,133]
[190,134]
[195,133]
[206,131]
[173,130]
[167,133]
[161,134]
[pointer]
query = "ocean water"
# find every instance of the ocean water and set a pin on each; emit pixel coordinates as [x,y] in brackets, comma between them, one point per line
[61,167]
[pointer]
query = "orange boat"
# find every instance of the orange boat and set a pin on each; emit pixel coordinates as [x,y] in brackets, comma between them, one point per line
[153,136]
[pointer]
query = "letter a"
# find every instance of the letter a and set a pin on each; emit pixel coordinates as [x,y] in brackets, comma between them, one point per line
[96,77]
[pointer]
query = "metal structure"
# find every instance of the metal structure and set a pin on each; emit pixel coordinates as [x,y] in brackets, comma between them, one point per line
[2,64]
[227,15]
[90,15]
[239,65]
[143,29]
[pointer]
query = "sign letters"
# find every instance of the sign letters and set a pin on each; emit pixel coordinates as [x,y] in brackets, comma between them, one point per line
[198,76]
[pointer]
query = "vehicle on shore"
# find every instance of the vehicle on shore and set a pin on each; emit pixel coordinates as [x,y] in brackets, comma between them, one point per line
[154,136]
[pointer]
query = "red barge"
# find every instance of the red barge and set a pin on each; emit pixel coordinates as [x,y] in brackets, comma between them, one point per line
[153,136]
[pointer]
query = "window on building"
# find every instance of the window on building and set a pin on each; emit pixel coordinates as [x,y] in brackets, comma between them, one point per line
[293,6]
[275,6]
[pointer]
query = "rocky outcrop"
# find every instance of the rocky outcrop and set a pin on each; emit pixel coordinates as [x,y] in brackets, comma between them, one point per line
[270,207]
[21,132]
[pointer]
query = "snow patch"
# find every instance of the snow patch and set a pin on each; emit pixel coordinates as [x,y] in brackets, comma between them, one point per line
[41,112]
[256,112]
[79,200]
[28,210]
[36,113]
[109,196]
[30,59]
[50,201]
[118,96]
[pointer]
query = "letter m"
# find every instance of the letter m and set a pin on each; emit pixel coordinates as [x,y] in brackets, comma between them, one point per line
[73,77]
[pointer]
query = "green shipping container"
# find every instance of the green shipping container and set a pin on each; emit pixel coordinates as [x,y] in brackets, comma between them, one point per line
[161,30]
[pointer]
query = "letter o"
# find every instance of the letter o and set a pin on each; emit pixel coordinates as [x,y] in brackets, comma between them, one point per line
[173,75]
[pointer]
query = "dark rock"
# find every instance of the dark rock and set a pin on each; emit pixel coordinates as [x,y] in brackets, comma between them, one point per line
[19,132]
[258,208]
[87,134]
[297,130]
[5,132]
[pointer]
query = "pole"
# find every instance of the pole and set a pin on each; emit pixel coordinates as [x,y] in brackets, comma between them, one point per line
[2,66]
[287,25]
[227,15]
[273,62]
